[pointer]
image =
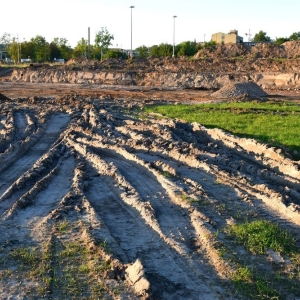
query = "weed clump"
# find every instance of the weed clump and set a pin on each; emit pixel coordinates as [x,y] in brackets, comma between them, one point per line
[260,235]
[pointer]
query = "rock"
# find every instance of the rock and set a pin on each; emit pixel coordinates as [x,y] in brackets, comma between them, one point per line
[135,273]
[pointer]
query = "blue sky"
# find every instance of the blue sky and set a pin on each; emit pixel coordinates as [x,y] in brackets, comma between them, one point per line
[152,21]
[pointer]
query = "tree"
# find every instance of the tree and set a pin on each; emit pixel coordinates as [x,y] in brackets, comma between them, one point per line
[165,49]
[81,49]
[14,50]
[59,48]
[295,36]
[281,40]
[28,50]
[142,51]
[6,40]
[114,54]
[54,51]
[261,36]
[103,40]
[211,45]
[40,48]
[161,50]
[154,51]
[186,48]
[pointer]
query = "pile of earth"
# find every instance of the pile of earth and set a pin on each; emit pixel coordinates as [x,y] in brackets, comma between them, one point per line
[216,64]
[240,90]
[3,97]
[261,50]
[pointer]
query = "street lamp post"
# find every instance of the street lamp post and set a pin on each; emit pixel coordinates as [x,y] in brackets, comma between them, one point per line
[174,37]
[101,43]
[131,7]
[18,50]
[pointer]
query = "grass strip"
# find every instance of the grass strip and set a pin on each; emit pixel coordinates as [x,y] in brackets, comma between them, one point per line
[260,235]
[274,123]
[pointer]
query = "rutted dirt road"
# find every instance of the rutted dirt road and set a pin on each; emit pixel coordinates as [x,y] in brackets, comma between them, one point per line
[106,204]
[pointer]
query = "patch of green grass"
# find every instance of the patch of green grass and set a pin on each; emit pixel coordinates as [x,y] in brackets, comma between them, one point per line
[259,120]
[27,257]
[73,249]
[189,199]
[255,276]
[63,226]
[35,264]
[260,235]
[255,287]
[71,269]
[168,174]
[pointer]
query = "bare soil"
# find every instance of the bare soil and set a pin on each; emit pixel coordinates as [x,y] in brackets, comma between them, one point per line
[145,197]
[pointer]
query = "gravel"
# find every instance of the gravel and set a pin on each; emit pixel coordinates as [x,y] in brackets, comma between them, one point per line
[240,90]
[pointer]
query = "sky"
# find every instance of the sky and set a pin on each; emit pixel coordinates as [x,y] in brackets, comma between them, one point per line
[152,21]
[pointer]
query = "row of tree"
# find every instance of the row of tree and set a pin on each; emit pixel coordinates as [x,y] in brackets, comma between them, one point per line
[38,49]
[261,36]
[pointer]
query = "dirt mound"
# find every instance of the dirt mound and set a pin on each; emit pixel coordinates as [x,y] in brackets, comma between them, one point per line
[292,49]
[262,50]
[240,90]
[3,97]
[228,50]
[266,50]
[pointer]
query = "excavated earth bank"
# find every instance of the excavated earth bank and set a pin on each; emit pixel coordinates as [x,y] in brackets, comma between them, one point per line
[270,66]
[102,202]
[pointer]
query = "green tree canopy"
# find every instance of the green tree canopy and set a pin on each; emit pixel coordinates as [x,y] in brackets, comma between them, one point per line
[40,48]
[28,50]
[59,48]
[114,54]
[295,36]
[154,51]
[142,51]
[161,50]
[103,40]
[81,49]
[281,40]
[261,36]
[5,40]
[187,48]
[14,50]
[165,49]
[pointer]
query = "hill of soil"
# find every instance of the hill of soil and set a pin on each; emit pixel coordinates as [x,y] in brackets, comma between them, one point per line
[100,201]
[288,50]
[269,66]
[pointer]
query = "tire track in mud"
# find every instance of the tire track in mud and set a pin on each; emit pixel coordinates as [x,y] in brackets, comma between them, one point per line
[21,123]
[23,160]
[158,193]
[232,194]
[138,241]
[262,179]
[46,200]
[23,227]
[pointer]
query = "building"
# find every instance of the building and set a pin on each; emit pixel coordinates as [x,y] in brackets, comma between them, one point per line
[223,38]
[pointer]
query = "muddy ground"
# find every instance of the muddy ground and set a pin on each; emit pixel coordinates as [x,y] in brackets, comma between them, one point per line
[99,201]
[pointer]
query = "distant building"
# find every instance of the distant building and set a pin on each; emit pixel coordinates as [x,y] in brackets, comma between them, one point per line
[223,38]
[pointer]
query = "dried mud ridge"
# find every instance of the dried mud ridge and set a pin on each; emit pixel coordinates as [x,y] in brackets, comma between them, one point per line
[141,199]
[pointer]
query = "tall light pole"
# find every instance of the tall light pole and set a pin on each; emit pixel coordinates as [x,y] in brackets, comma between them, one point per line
[174,37]
[131,7]
[18,49]
[102,43]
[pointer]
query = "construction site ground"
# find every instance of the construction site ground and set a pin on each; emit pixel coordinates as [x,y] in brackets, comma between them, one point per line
[100,202]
